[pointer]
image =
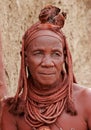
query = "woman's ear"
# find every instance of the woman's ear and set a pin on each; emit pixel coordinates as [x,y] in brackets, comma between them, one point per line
[65,66]
[65,55]
[26,59]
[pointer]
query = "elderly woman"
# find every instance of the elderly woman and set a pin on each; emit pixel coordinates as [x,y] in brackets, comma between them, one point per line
[48,97]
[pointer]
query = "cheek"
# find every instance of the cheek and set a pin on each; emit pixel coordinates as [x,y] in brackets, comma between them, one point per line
[59,65]
[31,66]
[33,63]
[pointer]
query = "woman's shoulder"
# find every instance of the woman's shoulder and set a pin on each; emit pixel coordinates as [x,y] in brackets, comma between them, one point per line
[6,114]
[82,93]
[82,90]
[14,106]
[6,105]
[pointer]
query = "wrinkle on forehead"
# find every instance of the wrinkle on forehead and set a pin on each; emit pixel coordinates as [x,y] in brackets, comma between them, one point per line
[45,42]
[49,33]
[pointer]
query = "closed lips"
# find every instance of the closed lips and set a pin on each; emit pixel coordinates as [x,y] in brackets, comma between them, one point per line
[47,73]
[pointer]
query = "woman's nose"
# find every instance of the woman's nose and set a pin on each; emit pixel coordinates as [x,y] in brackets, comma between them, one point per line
[47,61]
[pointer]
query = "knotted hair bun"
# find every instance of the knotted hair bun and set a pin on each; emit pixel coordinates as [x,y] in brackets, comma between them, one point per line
[60,19]
[51,14]
[48,13]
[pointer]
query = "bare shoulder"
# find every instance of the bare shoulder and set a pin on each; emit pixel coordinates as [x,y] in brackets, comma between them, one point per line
[82,91]
[8,120]
[6,114]
[83,96]
[6,104]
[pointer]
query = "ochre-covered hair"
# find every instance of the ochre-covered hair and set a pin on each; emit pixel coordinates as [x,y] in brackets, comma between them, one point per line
[50,18]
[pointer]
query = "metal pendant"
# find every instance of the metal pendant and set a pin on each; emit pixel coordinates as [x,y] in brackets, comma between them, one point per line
[44,128]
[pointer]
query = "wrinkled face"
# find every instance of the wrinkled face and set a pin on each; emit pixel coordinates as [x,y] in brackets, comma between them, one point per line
[45,60]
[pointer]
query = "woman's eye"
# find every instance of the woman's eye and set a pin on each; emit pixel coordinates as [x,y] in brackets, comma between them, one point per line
[37,53]
[56,54]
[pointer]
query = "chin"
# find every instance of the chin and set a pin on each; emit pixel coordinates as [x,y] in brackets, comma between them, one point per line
[47,83]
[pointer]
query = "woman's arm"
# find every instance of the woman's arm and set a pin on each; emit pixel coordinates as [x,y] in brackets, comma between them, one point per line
[8,120]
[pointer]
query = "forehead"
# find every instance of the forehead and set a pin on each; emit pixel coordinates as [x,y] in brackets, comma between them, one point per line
[45,42]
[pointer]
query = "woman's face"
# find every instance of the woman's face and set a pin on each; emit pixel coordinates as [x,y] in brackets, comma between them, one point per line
[45,60]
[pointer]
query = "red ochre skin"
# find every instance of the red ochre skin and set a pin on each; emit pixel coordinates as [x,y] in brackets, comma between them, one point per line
[42,57]
[82,121]
[47,57]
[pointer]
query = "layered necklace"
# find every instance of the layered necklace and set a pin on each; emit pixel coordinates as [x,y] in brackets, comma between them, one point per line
[44,107]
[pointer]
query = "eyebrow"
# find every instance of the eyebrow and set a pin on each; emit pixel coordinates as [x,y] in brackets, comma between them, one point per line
[57,49]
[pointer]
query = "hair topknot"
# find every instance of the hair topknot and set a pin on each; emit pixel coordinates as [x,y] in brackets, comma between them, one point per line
[51,14]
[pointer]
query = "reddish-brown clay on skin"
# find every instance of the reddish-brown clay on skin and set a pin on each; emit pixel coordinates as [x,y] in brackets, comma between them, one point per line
[48,97]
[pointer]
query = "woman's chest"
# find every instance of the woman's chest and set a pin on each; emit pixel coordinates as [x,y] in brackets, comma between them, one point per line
[64,122]
[68,122]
